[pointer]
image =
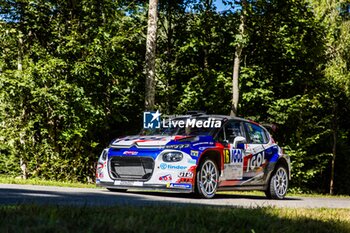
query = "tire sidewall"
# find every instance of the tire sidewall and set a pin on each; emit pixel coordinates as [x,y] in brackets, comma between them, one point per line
[271,190]
[199,189]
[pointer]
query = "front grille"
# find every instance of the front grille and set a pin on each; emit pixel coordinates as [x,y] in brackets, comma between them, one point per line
[131,168]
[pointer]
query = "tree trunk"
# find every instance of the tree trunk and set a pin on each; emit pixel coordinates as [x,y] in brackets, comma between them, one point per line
[235,88]
[206,39]
[331,185]
[334,149]
[22,160]
[20,53]
[151,55]
[169,32]
[237,60]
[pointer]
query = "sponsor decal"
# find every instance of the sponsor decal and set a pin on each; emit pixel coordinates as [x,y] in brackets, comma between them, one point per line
[186,174]
[187,177]
[233,168]
[203,143]
[163,166]
[192,161]
[194,153]
[256,161]
[130,152]
[183,186]
[233,156]
[177,146]
[185,180]
[237,163]
[237,156]
[172,167]
[165,178]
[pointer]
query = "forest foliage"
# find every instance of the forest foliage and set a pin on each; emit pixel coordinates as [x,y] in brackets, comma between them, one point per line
[72,79]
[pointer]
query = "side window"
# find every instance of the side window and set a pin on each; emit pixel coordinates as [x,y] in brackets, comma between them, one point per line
[221,136]
[256,134]
[231,130]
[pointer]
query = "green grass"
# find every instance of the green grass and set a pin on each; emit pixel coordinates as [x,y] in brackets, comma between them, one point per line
[33,218]
[37,181]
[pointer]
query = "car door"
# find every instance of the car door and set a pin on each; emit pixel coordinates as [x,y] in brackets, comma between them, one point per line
[255,158]
[233,157]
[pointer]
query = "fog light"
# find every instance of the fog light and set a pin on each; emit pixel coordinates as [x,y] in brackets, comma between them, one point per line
[172,156]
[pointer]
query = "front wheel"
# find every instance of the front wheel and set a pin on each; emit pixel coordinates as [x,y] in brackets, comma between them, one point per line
[278,184]
[207,178]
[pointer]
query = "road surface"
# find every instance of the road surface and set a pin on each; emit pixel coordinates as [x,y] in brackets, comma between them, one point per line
[29,194]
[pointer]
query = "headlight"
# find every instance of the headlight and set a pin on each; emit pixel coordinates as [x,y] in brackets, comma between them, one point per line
[104,154]
[177,146]
[172,156]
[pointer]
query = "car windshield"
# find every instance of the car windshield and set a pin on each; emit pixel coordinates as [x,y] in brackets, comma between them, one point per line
[170,130]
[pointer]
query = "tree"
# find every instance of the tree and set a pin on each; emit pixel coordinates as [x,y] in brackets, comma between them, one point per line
[74,89]
[151,55]
[72,77]
[199,67]
[334,16]
[240,40]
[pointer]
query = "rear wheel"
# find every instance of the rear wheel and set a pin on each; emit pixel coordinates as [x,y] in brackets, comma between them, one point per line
[207,178]
[278,184]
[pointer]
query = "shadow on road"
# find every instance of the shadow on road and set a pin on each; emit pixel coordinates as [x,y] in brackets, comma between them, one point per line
[65,197]
[69,196]
[217,196]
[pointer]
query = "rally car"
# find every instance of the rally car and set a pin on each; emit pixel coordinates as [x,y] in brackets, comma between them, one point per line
[197,153]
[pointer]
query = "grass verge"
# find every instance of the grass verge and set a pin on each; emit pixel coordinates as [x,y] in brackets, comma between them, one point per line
[36,181]
[33,218]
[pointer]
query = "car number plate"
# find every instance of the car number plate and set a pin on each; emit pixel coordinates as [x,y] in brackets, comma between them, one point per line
[128,183]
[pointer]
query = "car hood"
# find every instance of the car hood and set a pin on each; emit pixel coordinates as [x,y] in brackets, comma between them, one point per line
[155,141]
[142,141]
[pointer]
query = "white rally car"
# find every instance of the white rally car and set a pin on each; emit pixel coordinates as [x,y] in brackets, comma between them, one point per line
[238,155]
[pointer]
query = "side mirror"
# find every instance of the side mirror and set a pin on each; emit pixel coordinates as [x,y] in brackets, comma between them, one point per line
[239,140]
[224,142]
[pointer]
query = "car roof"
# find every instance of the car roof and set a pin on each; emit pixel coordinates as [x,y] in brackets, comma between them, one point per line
[214,116]
[218,117]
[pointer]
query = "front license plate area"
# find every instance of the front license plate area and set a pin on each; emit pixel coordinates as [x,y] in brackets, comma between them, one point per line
[128,183]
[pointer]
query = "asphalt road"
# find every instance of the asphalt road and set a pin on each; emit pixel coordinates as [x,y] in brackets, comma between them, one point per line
[17,194]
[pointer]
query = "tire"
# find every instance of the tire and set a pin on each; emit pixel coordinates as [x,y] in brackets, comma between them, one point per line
[117,190]
[278,184]
[207,178]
